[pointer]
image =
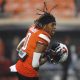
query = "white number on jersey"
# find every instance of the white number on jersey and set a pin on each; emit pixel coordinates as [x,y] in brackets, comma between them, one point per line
[26,41]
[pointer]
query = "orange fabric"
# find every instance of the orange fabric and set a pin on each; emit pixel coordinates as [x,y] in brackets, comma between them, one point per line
[0,2]
[25,68]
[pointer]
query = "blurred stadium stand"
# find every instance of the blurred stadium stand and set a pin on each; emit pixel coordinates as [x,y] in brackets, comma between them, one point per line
[65,8]
[27,9]
[15,18]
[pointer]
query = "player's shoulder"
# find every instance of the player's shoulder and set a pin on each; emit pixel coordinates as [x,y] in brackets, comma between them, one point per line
[40,33]
[45,36]
[33,28]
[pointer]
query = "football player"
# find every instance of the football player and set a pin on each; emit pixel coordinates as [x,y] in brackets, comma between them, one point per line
[33,46]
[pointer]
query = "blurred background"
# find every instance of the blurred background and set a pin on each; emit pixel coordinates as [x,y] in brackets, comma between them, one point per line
[15,18]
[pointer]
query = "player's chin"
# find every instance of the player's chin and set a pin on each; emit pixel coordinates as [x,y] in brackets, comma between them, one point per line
[52,34]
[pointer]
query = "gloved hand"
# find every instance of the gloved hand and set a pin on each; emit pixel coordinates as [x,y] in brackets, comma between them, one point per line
[57,53]
[52,56]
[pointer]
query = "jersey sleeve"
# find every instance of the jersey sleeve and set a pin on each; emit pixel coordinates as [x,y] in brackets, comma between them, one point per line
[43,39]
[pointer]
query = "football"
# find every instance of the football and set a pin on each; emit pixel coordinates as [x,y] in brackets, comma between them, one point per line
[64,51]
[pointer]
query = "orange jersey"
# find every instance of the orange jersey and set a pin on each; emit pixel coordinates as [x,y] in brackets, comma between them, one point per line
[33,36]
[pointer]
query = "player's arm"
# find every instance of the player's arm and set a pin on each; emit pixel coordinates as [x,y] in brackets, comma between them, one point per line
[37,55]
[43,59]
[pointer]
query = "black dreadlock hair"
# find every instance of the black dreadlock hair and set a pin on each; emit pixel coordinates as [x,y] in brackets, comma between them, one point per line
[45,18]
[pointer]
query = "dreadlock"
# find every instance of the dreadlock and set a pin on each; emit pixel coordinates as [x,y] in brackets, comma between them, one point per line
[45,18]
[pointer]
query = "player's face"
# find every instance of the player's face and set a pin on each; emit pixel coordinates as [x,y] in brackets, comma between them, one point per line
[51,28]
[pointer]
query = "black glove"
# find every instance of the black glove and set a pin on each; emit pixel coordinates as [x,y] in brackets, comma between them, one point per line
[52,56]
[54,53]
[57,53]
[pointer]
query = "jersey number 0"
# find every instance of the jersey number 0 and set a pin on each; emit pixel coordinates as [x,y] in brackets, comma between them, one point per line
[26,41]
